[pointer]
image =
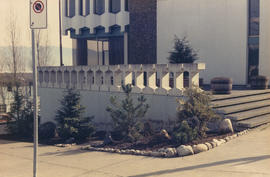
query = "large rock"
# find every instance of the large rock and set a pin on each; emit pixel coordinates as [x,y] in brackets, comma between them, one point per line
[199,148]
[184,150]
[226,126]
[209,145]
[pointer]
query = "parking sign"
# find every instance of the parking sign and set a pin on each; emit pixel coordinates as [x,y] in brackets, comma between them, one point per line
[38,14]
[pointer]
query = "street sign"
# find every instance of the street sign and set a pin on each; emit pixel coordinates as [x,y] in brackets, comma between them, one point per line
[38,14]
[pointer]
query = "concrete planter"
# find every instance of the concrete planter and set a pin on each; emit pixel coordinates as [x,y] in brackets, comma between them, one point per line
[259,82]
[221,85]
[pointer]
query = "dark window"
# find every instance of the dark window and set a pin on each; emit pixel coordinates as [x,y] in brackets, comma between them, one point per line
[253,60]
[254,17]
[115,6]
[81,7]
[253,38]
[99,7]
[70,8]
[87,7]
[126,5]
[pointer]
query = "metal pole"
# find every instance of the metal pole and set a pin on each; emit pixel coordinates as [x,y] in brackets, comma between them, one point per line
[35,106]
[60,35]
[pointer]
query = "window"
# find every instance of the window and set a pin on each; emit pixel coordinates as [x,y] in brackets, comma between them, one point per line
[253,38]
[254,17]
[99,7]
[126,5]
[70,8]
[81,7]
[115,6]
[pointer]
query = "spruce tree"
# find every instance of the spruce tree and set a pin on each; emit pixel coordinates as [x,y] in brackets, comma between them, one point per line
[70,120]
[126,115]
[21,113]
[182,52]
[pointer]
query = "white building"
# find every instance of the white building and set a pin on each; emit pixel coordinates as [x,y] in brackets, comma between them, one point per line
[231,36]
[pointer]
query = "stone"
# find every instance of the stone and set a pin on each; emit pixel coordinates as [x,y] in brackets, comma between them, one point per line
[226,126]
[184,150]
[199,148]
[156,154]
[137,152]
[165,134]
[147,153]
[214,144]
[227,138]
[218,143]
[222,141]
[170,152]
[233,136]
[209,145]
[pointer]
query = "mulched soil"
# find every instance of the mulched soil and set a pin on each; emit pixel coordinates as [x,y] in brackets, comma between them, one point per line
[146,144]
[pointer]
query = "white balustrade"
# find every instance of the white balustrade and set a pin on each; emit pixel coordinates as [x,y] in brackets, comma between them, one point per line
[110,78]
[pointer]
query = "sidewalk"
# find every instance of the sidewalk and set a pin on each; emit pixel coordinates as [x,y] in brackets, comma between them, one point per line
[248,155]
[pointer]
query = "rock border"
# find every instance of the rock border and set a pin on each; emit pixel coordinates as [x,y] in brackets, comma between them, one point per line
[181,151]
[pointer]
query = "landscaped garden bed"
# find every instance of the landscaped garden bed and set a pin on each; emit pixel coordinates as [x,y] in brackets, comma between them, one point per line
[164,150]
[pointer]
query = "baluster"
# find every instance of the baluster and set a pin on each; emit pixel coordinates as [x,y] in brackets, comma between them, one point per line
[164,79]
[193,79]
[151,79]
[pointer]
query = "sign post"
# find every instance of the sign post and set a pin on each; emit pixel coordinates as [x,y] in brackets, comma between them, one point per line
[38,20]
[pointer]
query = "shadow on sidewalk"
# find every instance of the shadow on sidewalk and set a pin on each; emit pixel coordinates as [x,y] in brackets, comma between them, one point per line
[64,152]
[241,162]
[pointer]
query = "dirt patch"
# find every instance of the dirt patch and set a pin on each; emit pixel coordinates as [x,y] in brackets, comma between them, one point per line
[148,143]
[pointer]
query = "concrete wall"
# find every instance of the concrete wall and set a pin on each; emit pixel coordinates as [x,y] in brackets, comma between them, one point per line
[161,107]
[264,63]
[217,28]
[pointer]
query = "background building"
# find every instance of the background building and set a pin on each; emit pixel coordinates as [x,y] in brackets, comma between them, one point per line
[232,37]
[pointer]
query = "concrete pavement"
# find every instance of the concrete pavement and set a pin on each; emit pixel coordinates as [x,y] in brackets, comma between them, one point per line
[248,155]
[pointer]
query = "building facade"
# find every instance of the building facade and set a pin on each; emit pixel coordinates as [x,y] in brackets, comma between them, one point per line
[231,37]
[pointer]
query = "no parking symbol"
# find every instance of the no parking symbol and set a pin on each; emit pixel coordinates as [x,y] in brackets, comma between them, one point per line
[38,6]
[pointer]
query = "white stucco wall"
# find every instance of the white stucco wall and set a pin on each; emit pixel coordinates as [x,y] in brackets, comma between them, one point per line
[96,103]
[217,28]
[264,64]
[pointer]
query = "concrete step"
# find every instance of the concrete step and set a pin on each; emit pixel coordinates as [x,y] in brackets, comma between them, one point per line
[241,100]
[239,93]
[251,123]
[243,107]
[249,114]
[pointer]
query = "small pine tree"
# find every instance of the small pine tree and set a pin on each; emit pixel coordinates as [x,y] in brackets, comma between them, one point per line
[126,116]
[182,52]
[21,113]
[70,120]
[196,109]
[183,133]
